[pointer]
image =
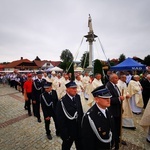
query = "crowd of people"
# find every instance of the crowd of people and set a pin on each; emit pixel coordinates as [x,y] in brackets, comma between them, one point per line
[90,110]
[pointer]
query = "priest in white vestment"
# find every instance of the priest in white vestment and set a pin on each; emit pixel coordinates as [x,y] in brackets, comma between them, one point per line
[127,116]
[62,86]
[135,91]
[80,91]
[145,121]
[56,85]
[53,76]
[96,82]
[86,81]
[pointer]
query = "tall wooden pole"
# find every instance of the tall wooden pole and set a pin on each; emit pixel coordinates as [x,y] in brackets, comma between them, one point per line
[122,93]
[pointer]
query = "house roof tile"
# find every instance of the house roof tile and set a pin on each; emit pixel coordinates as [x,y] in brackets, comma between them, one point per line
[13,64]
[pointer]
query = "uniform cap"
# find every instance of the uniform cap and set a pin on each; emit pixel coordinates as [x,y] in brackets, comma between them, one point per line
[102,92]
[39,72]
[47,84]
[71,84]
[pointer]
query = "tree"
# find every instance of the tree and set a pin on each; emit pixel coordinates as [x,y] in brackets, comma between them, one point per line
[122,57]
[67,58]
[85,60]
[147,60]
[98,67]
[5,63]
[63,65]
[113,62]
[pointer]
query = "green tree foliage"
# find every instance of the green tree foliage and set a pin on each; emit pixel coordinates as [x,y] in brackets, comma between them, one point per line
[122,57]
[64,65]
[67,58]
[85,60]
[5,63]
[147,60]
[112,62]
[98,67]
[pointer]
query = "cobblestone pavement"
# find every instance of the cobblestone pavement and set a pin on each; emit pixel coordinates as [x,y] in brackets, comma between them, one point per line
[18,131]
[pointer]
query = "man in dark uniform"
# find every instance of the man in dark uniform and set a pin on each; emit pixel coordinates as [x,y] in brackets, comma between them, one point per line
[116,107]
[37,90]
[69,114]
[98,124]
[48,101]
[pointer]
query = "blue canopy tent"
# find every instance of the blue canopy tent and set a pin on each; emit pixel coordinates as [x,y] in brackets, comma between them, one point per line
[128,64]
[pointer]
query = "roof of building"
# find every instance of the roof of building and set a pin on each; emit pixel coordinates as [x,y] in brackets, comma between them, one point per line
[42,62]
[27,62]
[15,63]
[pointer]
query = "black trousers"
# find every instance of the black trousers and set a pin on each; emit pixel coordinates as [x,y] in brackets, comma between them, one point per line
[36,109]
[16,83]
[47,125]
[12,83]
[117,126]
[22,89]
[66,145]
[145,99]
[28,102]
[25,105]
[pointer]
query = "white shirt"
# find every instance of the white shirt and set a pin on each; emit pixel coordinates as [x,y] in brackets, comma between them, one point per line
[102,110]
[70,97]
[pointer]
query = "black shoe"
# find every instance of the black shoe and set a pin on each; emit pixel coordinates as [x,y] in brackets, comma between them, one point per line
[123,142]
[147,140]
[131,128]
[39,120]
[49,137]
[136,113]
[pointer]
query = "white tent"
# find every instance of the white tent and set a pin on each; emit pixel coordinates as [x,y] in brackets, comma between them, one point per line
[56,69]
[78,69]
[49,69]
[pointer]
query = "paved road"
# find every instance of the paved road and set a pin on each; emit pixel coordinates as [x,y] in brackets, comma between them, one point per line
[18,131]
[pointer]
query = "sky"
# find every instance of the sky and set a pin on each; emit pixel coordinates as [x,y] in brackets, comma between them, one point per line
[44,28]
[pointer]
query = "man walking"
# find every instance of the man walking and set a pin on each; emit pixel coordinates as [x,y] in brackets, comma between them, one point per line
[98,123]
[37,90]
[69,114]
[48,101]
[115,106]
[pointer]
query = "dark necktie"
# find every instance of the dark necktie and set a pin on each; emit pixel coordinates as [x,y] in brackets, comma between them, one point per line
[50,93]
[106,112]
[73,100]
[117,89]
